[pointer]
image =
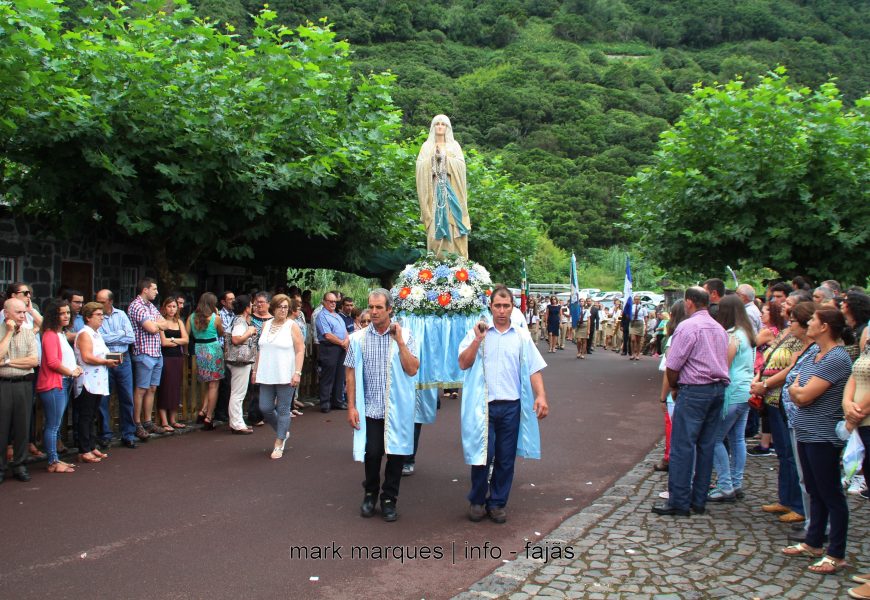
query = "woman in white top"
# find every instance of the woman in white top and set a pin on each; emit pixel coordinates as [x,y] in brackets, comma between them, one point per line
[93,383]
[240,359]
[278,369]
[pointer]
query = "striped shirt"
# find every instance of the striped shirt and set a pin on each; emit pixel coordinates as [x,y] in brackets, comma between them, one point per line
[144,343]
[22,345]
[376,365]
[818,421]
[117,331]
[699,351]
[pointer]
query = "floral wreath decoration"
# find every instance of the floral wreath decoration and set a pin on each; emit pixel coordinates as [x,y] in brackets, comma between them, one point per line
[448,286]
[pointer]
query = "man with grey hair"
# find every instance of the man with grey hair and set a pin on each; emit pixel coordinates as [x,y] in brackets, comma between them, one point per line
[823,295]
[333,341]
[380,366]
[747,293]
[17,361]
[833,285]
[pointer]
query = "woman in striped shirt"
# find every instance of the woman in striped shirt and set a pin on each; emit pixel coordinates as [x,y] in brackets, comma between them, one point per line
[818,393]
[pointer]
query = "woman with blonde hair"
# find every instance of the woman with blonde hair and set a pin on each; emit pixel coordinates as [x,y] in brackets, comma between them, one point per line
[205,326]
[278,369]
[442,191]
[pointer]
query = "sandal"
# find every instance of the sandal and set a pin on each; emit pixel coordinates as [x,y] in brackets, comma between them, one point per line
[89,457]
[803,550]
[296,413]
[200,418]
[168,428]
[60,467]
[99,454]
[827,566]
[177,425]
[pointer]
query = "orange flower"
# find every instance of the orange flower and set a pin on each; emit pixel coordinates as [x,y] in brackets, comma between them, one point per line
[488,292]
[444,299]
[425,275]
[404,292]
[462,275]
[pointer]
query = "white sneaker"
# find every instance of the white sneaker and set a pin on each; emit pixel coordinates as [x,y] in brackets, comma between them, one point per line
[664,495]
[857,485]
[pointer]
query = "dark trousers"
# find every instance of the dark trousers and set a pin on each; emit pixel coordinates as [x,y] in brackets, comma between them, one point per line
[590,343]
[331,363]
[221,408]
[253,404]
[626,337]
[501,454]
[697,413]
[821,467]
[16,405]
[788,482]
[86,405]
[374,453]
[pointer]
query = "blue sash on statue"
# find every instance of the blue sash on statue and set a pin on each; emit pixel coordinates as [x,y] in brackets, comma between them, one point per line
[475,409]
[444,197]
[399,402]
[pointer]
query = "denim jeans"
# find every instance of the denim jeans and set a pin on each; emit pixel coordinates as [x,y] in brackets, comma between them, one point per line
[729,471]
[501,454]
[276,402]
[53,404]
[121,384]
[697,413]
[789,488]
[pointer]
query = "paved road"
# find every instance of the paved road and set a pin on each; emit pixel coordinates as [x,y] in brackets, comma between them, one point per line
[207,514]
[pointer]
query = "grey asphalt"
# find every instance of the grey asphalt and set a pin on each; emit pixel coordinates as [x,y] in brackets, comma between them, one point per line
[208,514]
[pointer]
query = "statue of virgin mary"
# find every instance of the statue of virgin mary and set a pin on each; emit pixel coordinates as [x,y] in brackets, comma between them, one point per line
[442,191]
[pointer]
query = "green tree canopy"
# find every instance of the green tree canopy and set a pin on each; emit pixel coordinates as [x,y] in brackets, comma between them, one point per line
[774,176]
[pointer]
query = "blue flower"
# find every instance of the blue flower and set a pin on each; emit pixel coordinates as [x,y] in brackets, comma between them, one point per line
[454,294]
[443,271]
[432,296]
[472,274]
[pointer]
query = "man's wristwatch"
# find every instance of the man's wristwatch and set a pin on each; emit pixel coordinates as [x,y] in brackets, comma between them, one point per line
[298,373]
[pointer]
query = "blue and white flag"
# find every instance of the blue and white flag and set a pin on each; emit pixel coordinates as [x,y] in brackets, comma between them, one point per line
[575,293]
[626,288]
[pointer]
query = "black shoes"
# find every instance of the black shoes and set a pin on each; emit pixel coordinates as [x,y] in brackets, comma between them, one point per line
[131,444]
[325,409]
[388,510]
[104,444]
[666,510]
[21,473]
[367,508]
[497,514]
[476,512]
[340,407]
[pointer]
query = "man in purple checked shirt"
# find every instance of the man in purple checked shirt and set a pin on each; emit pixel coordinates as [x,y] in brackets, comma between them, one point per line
[697,371]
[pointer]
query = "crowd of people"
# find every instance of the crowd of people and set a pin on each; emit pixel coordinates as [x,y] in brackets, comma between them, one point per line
[72,357]
[798,362]
[636,333]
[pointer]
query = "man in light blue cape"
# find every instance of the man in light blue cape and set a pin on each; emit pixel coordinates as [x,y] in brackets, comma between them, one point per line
[381,363]
[503,397]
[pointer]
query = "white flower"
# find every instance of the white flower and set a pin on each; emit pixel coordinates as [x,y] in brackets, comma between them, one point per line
[482,273]
[466,291]
[417,293]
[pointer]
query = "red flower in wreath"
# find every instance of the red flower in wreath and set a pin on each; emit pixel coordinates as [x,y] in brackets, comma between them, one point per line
[404,292]
[425,275]
[488,292]
[444,299]
[462,275]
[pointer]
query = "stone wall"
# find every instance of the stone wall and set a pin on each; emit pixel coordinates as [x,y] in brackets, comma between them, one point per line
[40,256]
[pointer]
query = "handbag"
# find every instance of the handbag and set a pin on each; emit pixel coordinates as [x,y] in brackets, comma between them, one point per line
[243,354]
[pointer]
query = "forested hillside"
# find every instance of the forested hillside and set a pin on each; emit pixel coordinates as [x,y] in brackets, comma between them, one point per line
[574,94]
